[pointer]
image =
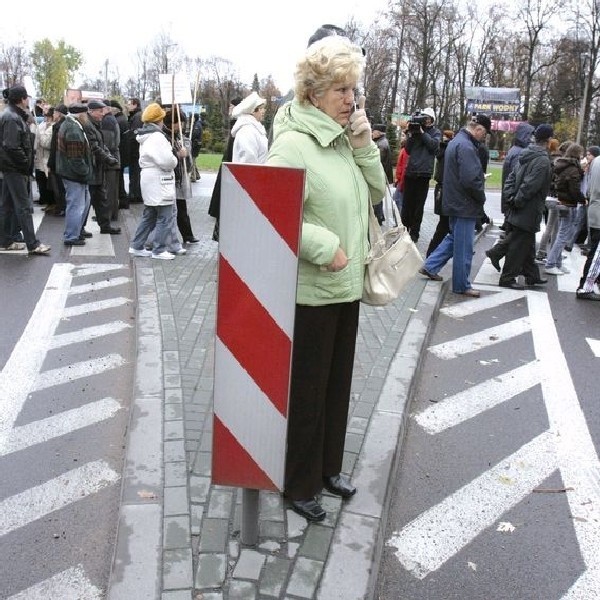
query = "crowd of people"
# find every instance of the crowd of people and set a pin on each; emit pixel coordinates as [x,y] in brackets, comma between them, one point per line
[79,155]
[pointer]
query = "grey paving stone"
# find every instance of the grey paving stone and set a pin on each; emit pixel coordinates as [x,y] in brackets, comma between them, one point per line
[214,534]
[173,430]
[202,464]
[220,503]
[175,473]
[197,514]
[176,501]
[177,595]
[316,543]
[199,488]
[177,569]
[242,590]
[249,565]
[272,506]
[211,570]
[173,396]
[176,533]
[305,576]
[274,576]
[271,529]
[174,451]
[173,412]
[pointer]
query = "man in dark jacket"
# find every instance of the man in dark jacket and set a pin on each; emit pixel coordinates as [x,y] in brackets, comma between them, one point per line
[523,134]
[54,179]
[422,145]
[16,164]
[111,133]
[73,163]
[463,198]
[134,107]
[525,192]
[123,122]
[101,159]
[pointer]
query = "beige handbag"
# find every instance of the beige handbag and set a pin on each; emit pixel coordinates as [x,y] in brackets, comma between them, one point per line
[392,262]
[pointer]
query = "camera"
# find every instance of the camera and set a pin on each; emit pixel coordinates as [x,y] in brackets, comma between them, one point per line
[417,121]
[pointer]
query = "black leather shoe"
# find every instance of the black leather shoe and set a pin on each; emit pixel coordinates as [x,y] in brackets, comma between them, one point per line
[76,242]
[495,262]
[192,240]
[111,230]
[513,285]
[310,509]
[86,234]
[588,296]
[339,485]
[539,281]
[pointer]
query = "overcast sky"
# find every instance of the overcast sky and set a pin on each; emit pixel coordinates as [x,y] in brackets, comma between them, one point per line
[258,37]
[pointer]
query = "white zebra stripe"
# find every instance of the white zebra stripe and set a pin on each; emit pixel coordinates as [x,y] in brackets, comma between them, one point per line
[88,333]
[98,285]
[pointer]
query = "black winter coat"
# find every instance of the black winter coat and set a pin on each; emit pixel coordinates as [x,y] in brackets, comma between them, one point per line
[568,175]
[101,157]
[16,145]
[526,188]
[421,148]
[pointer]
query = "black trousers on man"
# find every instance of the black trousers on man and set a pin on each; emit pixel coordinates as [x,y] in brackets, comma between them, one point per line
[322,363]
[415,195]
[520,257]
[102,207]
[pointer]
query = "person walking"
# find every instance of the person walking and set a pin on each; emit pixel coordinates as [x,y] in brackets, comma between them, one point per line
[422,145]
[525,192]
[568,190]
[319,132]
[463,198]
[443,226]
[16,165]
[157,182]
[585,291]
[74,166]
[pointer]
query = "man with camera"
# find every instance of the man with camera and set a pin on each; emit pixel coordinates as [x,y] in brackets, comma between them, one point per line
[423,141]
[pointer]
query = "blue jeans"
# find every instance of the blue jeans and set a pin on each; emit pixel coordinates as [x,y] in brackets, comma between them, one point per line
[159,219]
[458,245]
[16,205]
[566,222]
[77,197]
[172,239]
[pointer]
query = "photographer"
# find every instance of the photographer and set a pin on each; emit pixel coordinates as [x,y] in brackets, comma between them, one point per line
[423,141]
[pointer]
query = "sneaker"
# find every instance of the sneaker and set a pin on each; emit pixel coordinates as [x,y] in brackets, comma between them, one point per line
[564,269]
[164,256]
[179,252]
[40,250]
[142,252]
[15,246]
[553,271]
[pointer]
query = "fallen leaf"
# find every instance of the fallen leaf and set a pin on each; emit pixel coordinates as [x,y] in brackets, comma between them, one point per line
[505,527]
[472,566]
[505,480]
[146,494]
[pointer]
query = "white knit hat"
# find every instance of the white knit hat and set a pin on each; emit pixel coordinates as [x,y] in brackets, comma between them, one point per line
[248,105]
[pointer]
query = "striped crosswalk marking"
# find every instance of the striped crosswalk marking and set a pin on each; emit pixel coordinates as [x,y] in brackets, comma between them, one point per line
[21,509]
[71,584]
[475,400]
[88,333]
[60,424]
[594,346]
[89,307]
[481,339]
[84,288]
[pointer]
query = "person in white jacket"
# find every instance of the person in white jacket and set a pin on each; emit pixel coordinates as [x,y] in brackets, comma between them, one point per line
[157,181]
[250,143]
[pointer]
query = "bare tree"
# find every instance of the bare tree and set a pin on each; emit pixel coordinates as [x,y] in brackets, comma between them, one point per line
[14,63]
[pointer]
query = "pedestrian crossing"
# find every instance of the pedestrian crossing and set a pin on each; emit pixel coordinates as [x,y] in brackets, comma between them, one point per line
[65,298]
[443,530]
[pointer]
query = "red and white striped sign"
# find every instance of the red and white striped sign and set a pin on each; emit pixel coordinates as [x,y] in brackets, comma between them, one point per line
[259,241]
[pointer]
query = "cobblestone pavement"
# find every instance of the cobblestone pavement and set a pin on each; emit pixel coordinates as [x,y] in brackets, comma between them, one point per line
[179,536]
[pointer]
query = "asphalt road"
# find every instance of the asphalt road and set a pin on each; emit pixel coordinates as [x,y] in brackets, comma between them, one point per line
[497,493]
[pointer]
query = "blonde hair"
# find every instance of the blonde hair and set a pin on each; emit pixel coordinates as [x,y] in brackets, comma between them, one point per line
[333,59]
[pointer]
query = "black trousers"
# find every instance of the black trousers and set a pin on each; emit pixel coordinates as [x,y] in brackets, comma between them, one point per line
[413,204]
[183,220]
[101,206]
[520,256]
[443,227]
[135,191]
[322,363]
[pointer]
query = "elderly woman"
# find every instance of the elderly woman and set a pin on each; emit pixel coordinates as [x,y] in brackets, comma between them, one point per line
[249,136]
[320,131]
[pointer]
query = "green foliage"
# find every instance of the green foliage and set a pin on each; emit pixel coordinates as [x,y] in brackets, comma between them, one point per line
[209,162]
[54,68]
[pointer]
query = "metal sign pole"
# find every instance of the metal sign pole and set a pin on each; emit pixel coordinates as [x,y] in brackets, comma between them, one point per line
[249,534]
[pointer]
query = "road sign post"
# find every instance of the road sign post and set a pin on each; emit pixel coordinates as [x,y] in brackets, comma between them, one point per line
[259,241]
